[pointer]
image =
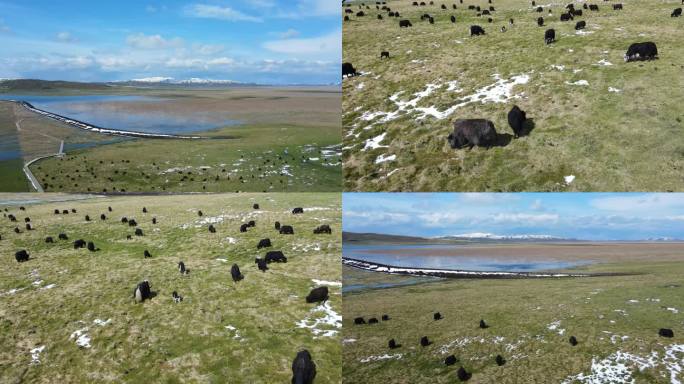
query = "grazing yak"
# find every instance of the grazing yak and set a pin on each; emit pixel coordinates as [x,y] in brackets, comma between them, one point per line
[437,316]
[516,119]
[665,332]
[617,7]
[80,243]
[17,230]
[641,51]
[29,227]
[27,219]
[211,228]
[540,21]
[450,360]
[261,264]
[348,70]
[297,210]
[63,236]
[181,268]
[317,295]
[65,212]
[453,19]
[303,368]
[593,7]
[566,17]
[573,340]
[275,256]
[56,211]
[144,210]
[359,321]
[277,225]
[109,209]
[87,218]
[483,325]
[142,292]
[138,232]
[49,239]
[132,223]
[324,228]
[405,24]
[255,206]
[251,223]
[103,217]
[12,218]
[385,317]
[676,13]
[199,213]
[476,30]
[373,320]
[235,273]
[424,341]
[264,243]
[243,228]
[393,344]
[580,25]
[286,230]
[154,220]
[500,360]
[124,219]
[472,132]
[147,254]
[21,256]
[91,246]
[463,375]
[550,36]
[176,297]
[384,55]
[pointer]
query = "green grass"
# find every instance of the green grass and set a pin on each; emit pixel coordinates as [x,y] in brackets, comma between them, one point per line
[625,141]
[160,341]
[519,313]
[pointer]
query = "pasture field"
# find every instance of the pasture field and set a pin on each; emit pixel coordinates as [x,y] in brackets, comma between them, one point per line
[288,140]
[69,315]
[599,124]
[615,320]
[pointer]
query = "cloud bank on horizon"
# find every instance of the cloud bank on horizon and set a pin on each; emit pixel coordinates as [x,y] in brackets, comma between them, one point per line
[588,216]
[255,41]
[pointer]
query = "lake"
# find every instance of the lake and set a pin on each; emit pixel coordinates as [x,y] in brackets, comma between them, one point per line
[467,263]
[108,111]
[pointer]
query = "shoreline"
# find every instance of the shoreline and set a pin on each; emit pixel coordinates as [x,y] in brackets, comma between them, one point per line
[465,274]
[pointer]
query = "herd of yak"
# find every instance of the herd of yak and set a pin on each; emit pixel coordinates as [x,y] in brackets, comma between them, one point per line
[462,373]
[481,132]
[303,367]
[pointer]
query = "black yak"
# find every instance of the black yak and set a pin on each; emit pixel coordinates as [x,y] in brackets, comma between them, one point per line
[359,321]
[286,230]
[275,256]
[132,223]
[317,295]
[21,256]
[261,264]
[211,228]
[243,228]
[540,21]
[676,13]
[665,332]
[303,368]
[103,217]
[516,119]
[642,51]
[235,273]
[450,360]
[424,341]
[297,210]
[91,246]
[437,316]
[49,239]
[472,132]
[550,36]
[176,297]
[385,317]
[580,25]
[264,243]
[255,206]
[463,375]
[348,70]
[277,225]
[384,55]
[405,24]
[373,320]
[138,232]
[144,210]
[393,344]
[573,340]
[251,223]
[181,268]
[147,254]
[80,243]
[500,360]
[63,236]
[142,292]
[87,218]
[476,30]
[199,213]
[325,228]
[483,325]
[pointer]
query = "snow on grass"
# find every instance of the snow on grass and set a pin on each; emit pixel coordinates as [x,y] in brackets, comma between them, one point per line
[231,240]
[49,286]
[569,179]
[583,32]
[82,337]
[381,357]
[605,62]
[11,291]
[348,341]
[236,332]
[613,90]
[383,158]
[392,172]
[320,326]
[578,82]
[555,326]
[101,322]
[619,367]
[558,67]
[361,86]
[374,143]
[326,282]
[222,260]
[671,309]
[35,354]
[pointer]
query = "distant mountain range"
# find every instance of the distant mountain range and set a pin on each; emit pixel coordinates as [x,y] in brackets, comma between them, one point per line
[476,237]
[9,85]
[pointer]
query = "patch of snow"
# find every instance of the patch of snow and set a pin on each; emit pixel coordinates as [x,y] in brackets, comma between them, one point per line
[555,326]
[374,143]
[236,333]
[614,90]
[578,82]
[360,86]
[569,179]
[101,322]
[558,67]
[348,341]
[382,158]
[82,337]
[320,326]
[326,282]
[380,357]
[231,240]
[35,354]
[671,309]
[605,62]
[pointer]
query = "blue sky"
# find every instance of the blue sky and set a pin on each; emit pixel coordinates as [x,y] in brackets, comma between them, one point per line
[264,41]
[591,216]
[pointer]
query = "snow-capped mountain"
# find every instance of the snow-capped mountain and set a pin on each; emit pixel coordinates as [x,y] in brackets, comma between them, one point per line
[491,236]
[171,80]
[156,79]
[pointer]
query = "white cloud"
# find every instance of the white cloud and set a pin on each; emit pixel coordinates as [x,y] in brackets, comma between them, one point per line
[207,49]
[525,218]
[330,44]
[290,33]
[642,203]
[216,12]
[143,41]
[65,37]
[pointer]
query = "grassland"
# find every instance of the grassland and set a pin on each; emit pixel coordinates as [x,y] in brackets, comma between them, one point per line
[619,132]
[615,319]
[246,332]
[288,141]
